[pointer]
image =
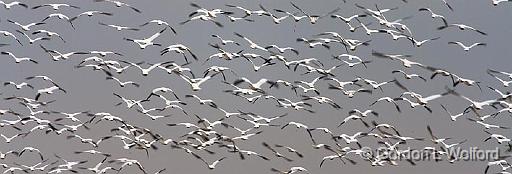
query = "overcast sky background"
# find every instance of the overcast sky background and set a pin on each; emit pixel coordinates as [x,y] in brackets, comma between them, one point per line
[89,91]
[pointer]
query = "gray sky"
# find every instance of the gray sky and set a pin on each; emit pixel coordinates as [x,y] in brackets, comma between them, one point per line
[89,91]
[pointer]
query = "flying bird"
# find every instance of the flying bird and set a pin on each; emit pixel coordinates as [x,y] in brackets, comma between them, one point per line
[409,76]
[276,153]
[9,34]
[27,26]
[33,40]
[203,101]
[292,150]
[143,43]
[406,63]
[18,86]
[179,48]
[462,27]
[49,34]
[90,14]
[12,4]
[291,170]
[252,44]
[119,28]
[453,117]
[312,43]
[146,71]
[195,83]
[434,15]
[55,6]
[159,22]
[466,48]
[225,42]
[31,149]
[419,43]
[234,19]
[57,55]
[496,2]
[18,59]
[121,83]
[212,165]
[447,5]
[49,90]
[59,16]
[313,19]
[283,49]
[203,17]
[120,4]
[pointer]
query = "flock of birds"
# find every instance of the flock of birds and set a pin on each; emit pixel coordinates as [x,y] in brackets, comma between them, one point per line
[223,134]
